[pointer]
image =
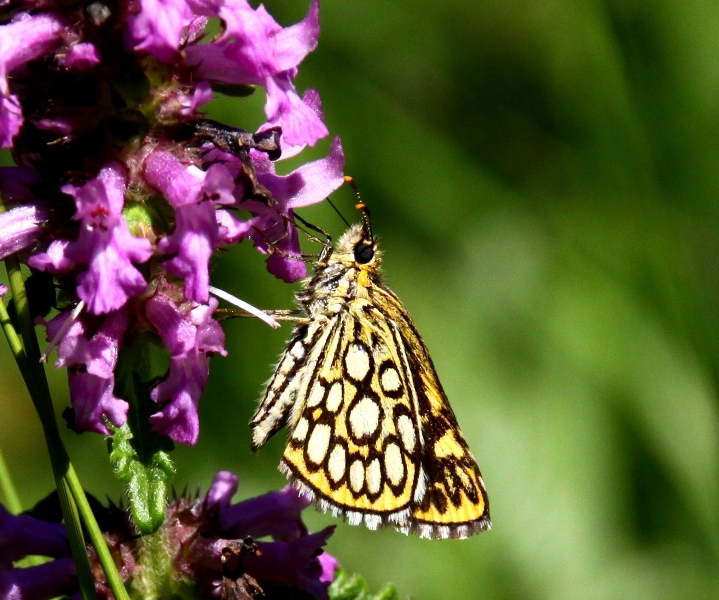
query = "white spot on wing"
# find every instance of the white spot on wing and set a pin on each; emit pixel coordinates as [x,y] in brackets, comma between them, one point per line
[318,443]
[356,475]
[390,381]
[315,397]
[406,432]
[374,476]
[364,417]
[286,365]
[297,350]
[393,463]
[357,362]
[336,463]
[334,398]
[421,488]
[300,432]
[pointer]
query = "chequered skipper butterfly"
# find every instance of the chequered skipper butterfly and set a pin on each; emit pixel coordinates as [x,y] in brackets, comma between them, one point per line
[371,435]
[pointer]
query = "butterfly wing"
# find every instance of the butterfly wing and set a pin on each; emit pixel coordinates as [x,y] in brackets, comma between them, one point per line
[289,381]
[451,497]
[372,437]
[343,445]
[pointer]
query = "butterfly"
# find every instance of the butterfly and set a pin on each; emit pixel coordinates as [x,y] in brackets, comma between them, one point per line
[371,435]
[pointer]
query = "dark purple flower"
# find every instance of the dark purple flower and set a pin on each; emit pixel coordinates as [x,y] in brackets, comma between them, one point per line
[104,244]
[294,563]
[191,336]
[22,40]
[192,539]
[276,513]
[21,536]
[89,349]
[42,582]
[295,558]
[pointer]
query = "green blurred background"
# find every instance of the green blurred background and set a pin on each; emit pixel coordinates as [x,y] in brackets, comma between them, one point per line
[544,176]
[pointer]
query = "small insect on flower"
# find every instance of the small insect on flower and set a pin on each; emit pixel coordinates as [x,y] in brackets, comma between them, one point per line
[371,435]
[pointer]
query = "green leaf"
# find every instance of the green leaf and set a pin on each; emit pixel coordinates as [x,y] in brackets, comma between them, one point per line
[354,587]
[147,478]
[139,456]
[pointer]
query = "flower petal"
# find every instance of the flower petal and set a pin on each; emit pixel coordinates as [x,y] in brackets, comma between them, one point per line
[22,536]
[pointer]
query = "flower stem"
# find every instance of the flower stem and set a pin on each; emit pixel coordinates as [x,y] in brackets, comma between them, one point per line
[12,500]
[72,497]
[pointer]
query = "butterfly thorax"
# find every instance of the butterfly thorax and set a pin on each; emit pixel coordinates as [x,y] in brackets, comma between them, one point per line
[341,278]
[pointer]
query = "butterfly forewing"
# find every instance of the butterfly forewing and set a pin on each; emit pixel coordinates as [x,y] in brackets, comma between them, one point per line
[354,444]
[371,436]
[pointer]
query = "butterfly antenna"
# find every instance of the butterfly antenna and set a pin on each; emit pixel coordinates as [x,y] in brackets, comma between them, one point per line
[366,221]
[341,216]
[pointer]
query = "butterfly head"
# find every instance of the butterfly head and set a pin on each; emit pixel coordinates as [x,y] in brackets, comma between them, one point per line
[358,247]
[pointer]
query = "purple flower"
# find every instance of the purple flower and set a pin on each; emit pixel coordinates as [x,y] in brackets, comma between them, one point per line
[276,514]
[296,559]
[157,27]
[81,56]
[192,539]
[21,536]
[89,349]
[271,226]
[20,227]
[255,50]
[22,40]
[104,244]
[293,563]
[329,566]
[41,582]
[191,336]
[192,193]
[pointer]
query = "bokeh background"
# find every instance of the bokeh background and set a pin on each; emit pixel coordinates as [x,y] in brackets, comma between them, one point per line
[545,180]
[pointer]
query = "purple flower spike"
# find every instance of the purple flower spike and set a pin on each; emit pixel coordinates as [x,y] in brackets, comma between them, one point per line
[193,193]
[49,580]
[293,563]
[89,349]
[21,536]
[104,243]
[21,41]
[190,337]
[276,514]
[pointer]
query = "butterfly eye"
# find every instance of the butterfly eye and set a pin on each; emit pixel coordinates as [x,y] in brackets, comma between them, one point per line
[364,253]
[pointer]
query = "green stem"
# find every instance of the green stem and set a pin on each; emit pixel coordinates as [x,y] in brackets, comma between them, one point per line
[36,383]
[72,497]
[12,500]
